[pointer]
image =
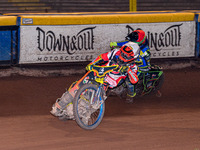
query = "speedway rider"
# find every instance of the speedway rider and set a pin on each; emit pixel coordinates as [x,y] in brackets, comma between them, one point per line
[127,70]
[143,61]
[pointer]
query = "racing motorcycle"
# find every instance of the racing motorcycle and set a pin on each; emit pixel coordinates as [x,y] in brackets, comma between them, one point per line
[89,101]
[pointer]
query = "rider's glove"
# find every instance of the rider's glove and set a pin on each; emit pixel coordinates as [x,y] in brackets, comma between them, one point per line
[123,69]
[89,67]
[113,44]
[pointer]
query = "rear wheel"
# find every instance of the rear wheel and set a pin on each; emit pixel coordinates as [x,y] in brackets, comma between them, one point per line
[157,86]
[86,116]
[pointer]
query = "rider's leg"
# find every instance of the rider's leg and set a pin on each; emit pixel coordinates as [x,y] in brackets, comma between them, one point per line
[62,103]
[130,91]
[131,88]
[67,98]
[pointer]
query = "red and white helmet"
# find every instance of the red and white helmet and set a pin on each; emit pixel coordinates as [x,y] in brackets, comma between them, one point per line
[129,52]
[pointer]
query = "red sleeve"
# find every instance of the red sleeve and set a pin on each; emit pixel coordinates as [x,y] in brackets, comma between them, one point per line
[132,76]
[103,58]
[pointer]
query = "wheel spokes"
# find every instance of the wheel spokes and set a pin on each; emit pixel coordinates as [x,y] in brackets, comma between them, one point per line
[87,113]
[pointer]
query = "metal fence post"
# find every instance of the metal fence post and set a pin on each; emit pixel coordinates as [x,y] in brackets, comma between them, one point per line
[132,5]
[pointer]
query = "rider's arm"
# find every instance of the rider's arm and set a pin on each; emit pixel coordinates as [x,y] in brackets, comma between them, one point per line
[143,61]
[145,53]
[132,73]
[118,44]
[101,59]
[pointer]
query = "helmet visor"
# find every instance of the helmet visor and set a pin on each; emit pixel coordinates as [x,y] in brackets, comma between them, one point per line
[132,37]
[126,58]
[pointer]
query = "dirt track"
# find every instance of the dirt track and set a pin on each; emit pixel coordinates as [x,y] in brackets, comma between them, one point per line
[171,122]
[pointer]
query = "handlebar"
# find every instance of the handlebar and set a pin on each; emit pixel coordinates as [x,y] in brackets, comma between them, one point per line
[103,70]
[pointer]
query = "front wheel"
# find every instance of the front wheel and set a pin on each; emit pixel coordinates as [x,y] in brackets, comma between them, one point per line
[86,116]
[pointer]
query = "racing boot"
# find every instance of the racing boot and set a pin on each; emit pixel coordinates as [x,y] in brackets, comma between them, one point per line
[67,113]
[60,105]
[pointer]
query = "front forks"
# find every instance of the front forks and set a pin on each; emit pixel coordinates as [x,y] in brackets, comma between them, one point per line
[98,98]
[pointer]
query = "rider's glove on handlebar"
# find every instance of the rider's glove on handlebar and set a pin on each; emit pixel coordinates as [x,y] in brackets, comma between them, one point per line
[123,69]
[89,67]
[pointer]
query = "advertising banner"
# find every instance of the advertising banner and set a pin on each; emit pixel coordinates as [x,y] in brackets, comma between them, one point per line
[75,43]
